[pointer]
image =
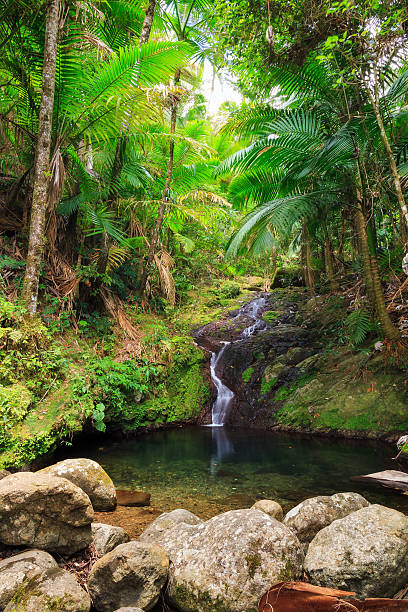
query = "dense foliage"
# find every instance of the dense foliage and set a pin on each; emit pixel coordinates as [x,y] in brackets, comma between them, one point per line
[122,198]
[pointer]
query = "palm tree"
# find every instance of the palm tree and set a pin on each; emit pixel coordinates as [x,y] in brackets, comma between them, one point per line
[304,165]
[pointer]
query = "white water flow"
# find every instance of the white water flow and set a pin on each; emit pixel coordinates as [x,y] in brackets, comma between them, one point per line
[224,395]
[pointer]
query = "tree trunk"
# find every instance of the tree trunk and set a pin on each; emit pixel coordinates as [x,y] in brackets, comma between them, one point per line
[330,265]
[373,280]
[148,22]
[308,270]
[166,191]
[41,164]
[375,103]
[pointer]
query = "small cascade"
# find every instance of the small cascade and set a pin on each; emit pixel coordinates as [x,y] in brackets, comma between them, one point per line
[253,313]
[224,394]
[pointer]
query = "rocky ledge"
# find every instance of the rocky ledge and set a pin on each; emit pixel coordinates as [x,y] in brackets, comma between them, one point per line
[225,564]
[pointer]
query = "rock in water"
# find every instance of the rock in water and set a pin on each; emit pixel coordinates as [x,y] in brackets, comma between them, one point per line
[132,574]
[44,511]
[310,516]
[89,476]
[53,589]
[365,552]
[132,498]
[156,531]
[270,507]
[13,571]
[227,563]
[107,537]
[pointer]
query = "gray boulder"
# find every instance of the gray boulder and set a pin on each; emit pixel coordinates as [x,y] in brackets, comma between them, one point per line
[157,530]
[53,589]
[132,574]
[89,476]
[44,511]
[107,537]
[311,515]
[13,571]
[270,507]
[365,552]
[230,561]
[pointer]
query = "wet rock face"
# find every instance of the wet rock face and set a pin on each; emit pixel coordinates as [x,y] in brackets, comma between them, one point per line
[257,362]
[313,514]
[228,562]
[365,552]
[89,476]
[44,511]
[14,570]
[132,574]
[53,589]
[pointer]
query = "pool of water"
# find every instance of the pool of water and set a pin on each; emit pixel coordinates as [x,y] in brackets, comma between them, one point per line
[213,469]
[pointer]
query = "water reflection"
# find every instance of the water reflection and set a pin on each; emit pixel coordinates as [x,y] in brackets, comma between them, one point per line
[223,447]
[212,469]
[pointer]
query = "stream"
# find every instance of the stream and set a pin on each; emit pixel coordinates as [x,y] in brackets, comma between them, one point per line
[214,468]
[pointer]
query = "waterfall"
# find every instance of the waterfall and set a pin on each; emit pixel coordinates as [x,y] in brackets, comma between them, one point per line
[225,396]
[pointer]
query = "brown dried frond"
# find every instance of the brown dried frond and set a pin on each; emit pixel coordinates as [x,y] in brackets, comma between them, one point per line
[114,306]
[165,263]
[57,178]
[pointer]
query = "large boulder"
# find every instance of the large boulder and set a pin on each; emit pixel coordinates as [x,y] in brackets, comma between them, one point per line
[4,474]
[13,571]
[132,574]
[311,515]
[53,589]
[44,511]
[365,552]
[227,563]
[107,537]
[270,507]
[89,476]
[156,531]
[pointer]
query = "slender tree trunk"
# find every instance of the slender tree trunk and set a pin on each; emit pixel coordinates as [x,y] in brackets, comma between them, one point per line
[373,280]
[148,22]
[41,164]
[375,103]
[166,192]
[330,265]
[307,262]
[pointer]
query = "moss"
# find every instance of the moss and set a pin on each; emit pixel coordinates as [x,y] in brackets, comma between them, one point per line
[253,562]
[201,600]
[247,374]
[336,398]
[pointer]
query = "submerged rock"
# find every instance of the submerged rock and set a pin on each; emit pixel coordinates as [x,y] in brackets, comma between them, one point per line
[228,562]
[311,515]
[107,537]
[132,574]
[270,507]
[132,498]
[53,589]
[156,532]
[44,511]
[89,476]
[365,552]
[14,570]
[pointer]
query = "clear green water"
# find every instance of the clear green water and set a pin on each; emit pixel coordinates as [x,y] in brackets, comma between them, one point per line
[210,470]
